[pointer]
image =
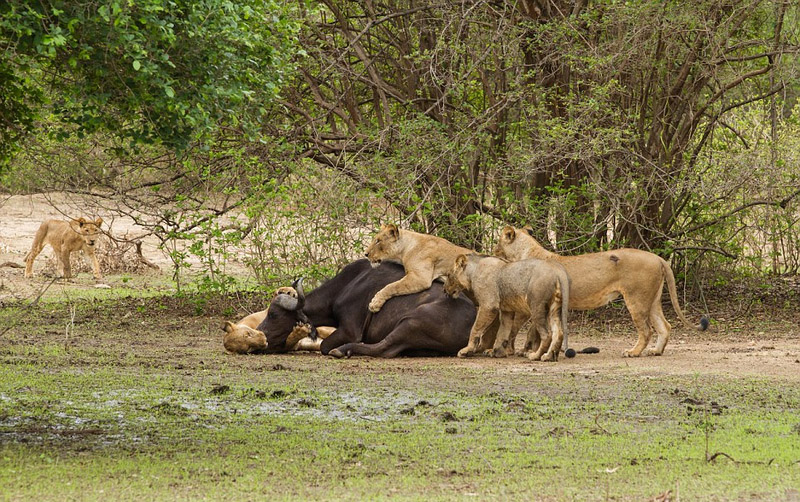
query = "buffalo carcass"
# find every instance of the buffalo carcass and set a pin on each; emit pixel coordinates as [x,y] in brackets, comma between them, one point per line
[421,324]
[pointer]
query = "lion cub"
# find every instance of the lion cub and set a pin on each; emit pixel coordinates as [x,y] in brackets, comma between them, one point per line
[515,291]
[66,237]
[425,258]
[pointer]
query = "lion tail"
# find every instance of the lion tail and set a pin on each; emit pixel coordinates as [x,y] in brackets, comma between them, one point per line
[565,283]
[673,296]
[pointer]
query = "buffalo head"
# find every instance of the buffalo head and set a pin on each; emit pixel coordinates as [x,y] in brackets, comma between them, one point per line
[285,313]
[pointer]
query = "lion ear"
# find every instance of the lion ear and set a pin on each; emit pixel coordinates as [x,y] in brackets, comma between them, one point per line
[461,261]
[227,327]
[81,221]
[528,230]
[394,232]
[98,221]
[509,234]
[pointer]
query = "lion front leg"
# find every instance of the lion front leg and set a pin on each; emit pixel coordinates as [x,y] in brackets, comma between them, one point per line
[510,324]
[411,283]
[483,320]
[95,264]
[66,266]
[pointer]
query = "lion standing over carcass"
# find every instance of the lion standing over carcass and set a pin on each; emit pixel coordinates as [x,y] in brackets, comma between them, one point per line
[528,289]
[598,278]
[66,237]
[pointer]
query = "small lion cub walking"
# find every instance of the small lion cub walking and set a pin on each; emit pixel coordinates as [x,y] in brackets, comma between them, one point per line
[66,237]
[515,291]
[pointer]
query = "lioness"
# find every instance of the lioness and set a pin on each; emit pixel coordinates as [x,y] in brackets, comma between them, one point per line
[425,258]
[598,278]
[243,337]
[66,237]
[515,291]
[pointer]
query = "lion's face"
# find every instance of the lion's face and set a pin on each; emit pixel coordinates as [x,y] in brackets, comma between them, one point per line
[88,230]
[384,245]
[456,280]
[512,245]
[242,339]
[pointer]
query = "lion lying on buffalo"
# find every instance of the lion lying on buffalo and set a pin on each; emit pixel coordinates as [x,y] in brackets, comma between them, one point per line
[66,237]
[598,278]
[421,324]
[518,291]
[424,257]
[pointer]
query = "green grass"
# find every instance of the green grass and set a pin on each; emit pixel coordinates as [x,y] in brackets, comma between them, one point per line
[149,407]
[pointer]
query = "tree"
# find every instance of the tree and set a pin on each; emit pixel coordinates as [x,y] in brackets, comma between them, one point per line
[587,111]
[150,71]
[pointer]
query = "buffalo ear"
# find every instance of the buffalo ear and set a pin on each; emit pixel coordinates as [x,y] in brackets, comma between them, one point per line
[528,230]
[509,233]
[227,327]
[461,261]
[394,232]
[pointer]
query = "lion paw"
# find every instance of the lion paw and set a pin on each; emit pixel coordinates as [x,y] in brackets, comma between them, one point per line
[465,352]
[375,305]
[652,352]
[498,353]
[533,356]
[550,357]
[630,353]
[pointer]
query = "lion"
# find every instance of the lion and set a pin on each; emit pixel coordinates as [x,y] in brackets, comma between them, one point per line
[598,278]
[425,258]
[243,337]
[516,291]
[66,237]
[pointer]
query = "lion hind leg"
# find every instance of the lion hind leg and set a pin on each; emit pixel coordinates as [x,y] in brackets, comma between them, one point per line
[539,324]
[556,329]
[36,248]
[662,328]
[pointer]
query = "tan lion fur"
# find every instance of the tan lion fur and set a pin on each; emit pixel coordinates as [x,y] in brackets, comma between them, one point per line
[66,237]
[598,278]
[528,289]
[425,258]
[243,337]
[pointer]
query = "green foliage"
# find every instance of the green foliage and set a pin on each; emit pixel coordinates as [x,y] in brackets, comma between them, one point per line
[148,71]
[308,226]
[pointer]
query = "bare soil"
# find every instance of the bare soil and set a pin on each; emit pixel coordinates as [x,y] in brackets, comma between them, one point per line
[753,333]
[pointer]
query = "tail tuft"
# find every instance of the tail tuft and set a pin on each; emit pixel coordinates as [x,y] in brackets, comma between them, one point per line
[590,350]
[704,322]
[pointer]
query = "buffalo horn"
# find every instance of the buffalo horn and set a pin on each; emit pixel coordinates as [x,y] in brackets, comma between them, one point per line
[298,286]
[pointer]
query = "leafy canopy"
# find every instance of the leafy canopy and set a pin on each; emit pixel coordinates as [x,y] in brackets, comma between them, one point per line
[149,71]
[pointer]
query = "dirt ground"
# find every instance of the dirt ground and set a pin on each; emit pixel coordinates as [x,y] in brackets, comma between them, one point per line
[750,336]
